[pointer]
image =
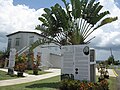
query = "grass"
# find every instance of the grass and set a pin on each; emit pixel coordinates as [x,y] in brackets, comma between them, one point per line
[39,72]
[49,84]
[46,84]
[112,83]
[4,76]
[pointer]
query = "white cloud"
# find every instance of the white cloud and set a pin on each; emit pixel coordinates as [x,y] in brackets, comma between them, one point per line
[18,17]
[109,34]
[14,18]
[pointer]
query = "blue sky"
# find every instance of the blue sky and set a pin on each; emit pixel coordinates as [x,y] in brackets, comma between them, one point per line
[36,4]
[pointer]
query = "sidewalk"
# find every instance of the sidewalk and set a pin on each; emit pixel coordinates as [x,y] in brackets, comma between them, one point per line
[6,70]
[30,78]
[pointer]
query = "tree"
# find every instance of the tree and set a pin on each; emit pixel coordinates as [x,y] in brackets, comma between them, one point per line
[54,21]
[73,25]
[116,62]
[1,53]
[110,60]
[4,54]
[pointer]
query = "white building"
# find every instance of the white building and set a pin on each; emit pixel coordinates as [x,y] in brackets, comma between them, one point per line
[50,53]
[20,39]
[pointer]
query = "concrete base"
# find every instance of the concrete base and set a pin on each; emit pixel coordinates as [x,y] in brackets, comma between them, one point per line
[10,71]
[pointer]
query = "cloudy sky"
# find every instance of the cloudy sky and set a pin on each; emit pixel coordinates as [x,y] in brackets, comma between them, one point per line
[23,15]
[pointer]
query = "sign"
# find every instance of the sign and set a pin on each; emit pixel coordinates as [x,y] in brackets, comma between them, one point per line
[76,61]
[12,58]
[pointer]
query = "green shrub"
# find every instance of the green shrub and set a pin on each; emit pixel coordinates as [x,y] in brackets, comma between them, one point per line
[104,84]
[68,84]
[67,76]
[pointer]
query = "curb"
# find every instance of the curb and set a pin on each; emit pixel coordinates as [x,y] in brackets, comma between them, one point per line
[115,73]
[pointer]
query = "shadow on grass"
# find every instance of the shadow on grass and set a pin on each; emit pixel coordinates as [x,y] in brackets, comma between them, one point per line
[47,85]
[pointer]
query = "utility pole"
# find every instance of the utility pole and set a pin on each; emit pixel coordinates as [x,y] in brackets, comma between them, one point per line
[112,56]
[111,52]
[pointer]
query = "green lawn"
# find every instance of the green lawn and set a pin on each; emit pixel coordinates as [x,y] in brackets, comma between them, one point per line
[4,76]
[112,83]
[39,72]
[46,84]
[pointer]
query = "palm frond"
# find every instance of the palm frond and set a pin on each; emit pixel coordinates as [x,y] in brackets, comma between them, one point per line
[106,21]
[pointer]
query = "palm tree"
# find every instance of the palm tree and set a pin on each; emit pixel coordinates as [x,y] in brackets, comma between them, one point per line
[73,25]
[54,23]
[87,17]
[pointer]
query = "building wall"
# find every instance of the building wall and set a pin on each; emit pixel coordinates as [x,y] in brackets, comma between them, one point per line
[53,48]
[24,39]
[55,60]
[50,55]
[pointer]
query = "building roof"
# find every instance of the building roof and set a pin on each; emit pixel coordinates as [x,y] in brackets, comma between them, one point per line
[30,31]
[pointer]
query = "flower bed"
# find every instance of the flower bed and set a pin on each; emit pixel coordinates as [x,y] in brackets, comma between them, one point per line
[68,84]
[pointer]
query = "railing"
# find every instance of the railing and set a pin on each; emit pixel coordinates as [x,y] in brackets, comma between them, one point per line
[43,64]
[50,64]
[22,50]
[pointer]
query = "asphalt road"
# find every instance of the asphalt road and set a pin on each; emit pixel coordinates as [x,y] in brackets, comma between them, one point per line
[118,79]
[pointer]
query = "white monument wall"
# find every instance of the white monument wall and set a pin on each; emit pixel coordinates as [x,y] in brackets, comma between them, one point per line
[12,58]
[76,61]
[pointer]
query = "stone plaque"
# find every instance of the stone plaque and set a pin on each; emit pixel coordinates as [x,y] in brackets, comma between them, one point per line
[12,58]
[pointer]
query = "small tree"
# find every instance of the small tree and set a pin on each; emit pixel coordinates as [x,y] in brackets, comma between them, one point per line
[3,56]
[103,71]
[20,64]
[110,60]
